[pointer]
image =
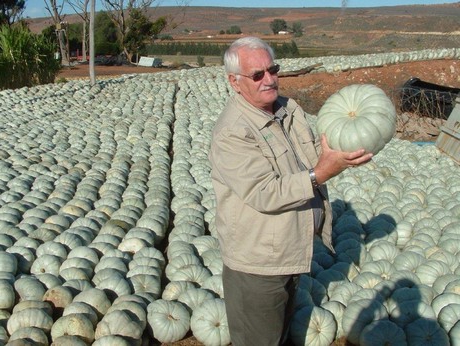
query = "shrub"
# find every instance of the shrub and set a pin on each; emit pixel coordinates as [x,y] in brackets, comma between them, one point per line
[26,59]
[200,61]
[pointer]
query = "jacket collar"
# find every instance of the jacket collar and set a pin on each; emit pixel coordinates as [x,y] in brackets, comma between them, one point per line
[260,117]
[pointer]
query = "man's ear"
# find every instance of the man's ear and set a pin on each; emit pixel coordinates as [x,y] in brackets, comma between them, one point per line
[234,82]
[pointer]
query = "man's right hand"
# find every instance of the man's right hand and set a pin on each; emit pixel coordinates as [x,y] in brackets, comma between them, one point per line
[332,162]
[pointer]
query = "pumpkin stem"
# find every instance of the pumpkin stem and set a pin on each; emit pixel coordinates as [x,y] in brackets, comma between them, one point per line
[352,114]
[171,317]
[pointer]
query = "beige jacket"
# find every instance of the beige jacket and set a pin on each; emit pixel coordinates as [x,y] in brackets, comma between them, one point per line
[264,218]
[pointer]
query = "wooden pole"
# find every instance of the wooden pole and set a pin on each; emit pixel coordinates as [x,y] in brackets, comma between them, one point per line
[92,73]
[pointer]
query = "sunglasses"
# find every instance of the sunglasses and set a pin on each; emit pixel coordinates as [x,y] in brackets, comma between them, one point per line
[259,75]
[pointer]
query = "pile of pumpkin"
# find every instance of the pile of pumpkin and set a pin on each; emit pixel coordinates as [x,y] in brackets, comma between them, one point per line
[88,251]
[107,226]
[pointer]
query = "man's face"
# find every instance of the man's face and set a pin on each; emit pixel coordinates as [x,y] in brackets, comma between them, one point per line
[262,93]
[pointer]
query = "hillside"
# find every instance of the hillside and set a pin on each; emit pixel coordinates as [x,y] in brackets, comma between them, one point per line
[326,30]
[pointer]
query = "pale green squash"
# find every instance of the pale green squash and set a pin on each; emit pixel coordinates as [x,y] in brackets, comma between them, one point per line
[430,270]
[145,283]
[7,297]
[168,321]
[357,116]
[24,255]
[359,314]
[316,289]
[112,340]
[194,297]
[96,298]
[119,322]
[3,335]
[443,300]
[81,308]
[382,332]
[174,289]
[77,324]
[408,311]
[313,326]
[214,284]
[32,334]
[30,317]
[449,316]
[73,340]
[209,323]
[426,332]
[342,293]
[367,294]
[337,310]
[8,262]
[28,287]
[132,304]
[454,334]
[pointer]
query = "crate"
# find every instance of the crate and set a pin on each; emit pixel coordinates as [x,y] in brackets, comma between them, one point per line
[428,99]
[449,138]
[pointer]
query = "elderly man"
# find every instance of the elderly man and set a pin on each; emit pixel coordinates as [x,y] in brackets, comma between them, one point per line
[268,173]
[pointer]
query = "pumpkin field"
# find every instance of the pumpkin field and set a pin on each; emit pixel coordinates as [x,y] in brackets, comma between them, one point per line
[107,233]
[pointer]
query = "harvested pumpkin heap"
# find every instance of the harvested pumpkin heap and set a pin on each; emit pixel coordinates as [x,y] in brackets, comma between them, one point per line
[108,235]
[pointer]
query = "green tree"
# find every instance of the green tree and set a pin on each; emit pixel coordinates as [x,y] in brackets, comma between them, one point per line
[105,35]
[81,9]
[50,33]
[118,11]
[158,26]
[55,8]
[200,61]
[75,36]
[278,25]
[234,30]
[11,11]
[26,59]
[286,50]
[297,29]
[140,31]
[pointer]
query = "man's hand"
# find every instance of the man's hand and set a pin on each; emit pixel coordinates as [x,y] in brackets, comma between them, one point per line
[332,162]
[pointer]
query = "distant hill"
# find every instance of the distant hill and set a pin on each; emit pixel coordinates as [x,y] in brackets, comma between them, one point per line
[326,30]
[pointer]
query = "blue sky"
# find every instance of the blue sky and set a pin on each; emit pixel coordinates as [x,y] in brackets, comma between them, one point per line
[34,8]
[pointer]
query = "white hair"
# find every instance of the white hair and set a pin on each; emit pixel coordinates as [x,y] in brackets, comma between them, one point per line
[231,58]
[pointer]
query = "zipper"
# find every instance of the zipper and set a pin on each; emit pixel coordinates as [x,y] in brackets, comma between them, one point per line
[302,167]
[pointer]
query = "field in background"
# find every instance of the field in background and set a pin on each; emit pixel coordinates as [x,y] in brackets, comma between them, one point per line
[177,60]
[327,31]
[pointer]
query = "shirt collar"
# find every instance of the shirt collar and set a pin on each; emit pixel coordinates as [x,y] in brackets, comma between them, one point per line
[280,111]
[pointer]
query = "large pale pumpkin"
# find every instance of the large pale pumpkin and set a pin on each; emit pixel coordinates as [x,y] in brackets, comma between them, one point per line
[209,323]
[357,116]
[312,325]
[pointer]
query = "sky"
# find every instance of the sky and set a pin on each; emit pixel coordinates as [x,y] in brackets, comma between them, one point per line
[35,8]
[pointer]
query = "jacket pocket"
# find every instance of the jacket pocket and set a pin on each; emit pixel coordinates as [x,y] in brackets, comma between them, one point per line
[271,147]
[306,135]
[308,145]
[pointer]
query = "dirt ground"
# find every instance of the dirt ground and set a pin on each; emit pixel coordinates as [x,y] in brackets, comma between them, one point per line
[312,89]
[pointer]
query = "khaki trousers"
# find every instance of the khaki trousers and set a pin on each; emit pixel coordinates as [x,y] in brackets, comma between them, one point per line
[259,307]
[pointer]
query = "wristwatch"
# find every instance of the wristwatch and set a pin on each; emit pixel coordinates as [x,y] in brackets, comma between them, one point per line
[312,174]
